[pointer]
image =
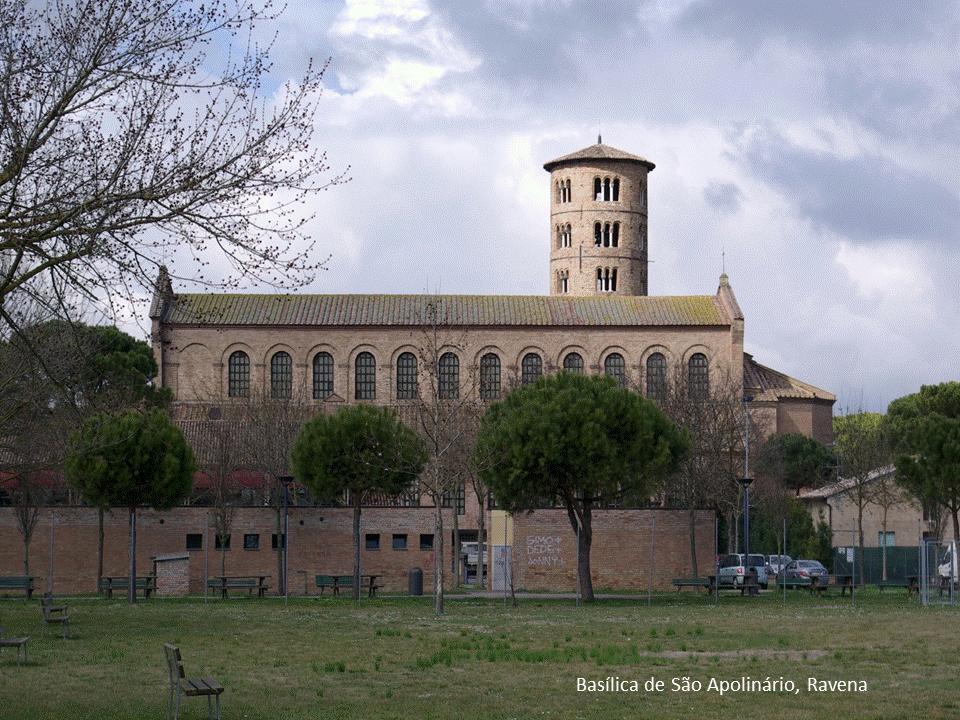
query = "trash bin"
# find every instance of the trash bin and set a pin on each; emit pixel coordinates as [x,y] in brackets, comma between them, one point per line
[752,580]
[415,582]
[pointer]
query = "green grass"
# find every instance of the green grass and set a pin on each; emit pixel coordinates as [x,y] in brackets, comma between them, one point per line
[392,658]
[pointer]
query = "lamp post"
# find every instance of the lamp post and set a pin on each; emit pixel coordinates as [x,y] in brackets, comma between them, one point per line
[745,483]
[285,480]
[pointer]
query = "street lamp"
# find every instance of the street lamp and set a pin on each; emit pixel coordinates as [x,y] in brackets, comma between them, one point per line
[285,480]
[745,484]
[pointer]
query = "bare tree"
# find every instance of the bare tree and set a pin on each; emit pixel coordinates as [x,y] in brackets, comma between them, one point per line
[713,418]
[442,404]
[130,129]
[269,427]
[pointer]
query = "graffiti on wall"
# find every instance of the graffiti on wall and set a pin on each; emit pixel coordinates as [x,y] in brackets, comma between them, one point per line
[545,550]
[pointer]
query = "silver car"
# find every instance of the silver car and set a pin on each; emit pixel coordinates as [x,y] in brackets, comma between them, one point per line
[801,572]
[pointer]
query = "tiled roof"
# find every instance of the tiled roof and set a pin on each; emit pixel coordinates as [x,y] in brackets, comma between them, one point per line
[597,152]
[770,385]
[466,310]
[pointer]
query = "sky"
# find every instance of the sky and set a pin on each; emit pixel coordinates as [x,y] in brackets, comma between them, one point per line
[811,150]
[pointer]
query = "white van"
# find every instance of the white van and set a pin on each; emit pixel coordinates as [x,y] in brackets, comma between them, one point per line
[734,569]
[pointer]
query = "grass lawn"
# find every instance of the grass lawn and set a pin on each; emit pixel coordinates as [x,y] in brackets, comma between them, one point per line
[392,658]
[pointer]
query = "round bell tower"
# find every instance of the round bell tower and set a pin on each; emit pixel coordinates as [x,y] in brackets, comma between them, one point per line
[598,223]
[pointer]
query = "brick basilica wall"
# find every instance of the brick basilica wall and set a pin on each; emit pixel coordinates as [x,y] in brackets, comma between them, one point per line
[321,542]
[626,544]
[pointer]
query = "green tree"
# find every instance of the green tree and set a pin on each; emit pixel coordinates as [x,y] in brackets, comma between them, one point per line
[580,441]
[796,460]
[925,430]
[83,369]
[862,449]
[129,459]
[360,451]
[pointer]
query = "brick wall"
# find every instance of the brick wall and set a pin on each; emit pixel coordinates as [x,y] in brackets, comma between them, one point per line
[321,542]
[545,549]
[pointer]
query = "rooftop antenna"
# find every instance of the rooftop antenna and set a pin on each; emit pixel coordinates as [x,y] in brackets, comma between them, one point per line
[723,261]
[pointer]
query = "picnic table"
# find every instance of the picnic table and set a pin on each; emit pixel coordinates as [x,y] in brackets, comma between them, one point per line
[338,582]
[820,583]
[225,583]
[146,583]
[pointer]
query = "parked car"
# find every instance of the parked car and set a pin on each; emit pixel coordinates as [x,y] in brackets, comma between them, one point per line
[734,569]
[776,563]
[802,572]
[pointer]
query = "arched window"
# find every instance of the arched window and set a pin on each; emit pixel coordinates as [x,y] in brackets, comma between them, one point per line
[490,376]
[567,188]
[531,368]
[615,367]
[656,377]
[238,375]
[606,190]
[448,372]
[573,362]
[322,375]
[281,375]
[563,281]
[365,377]
[567,236]
[597,234]
[606,279]
[698,377]
[406,376]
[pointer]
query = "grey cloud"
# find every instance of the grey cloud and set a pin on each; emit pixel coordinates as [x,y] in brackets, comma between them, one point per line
[814,22]
[723,196]
[865,197]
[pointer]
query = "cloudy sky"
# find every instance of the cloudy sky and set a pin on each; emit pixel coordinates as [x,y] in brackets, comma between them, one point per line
[810,149]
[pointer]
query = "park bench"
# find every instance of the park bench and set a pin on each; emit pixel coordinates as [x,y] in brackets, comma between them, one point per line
[18,582]
[225,583]
[327,581]
[180,686]
[884,584]
[17,642]
[704,582]
[145,583]
[54,615]
[345,582]
[825,583]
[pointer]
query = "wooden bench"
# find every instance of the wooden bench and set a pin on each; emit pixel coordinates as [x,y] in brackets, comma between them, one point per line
[18,642]
[327,581]
[345,582]
[180,686]
[704,582]
[823,583]
[884,584]
[146,583]
[241,582]
[18,582]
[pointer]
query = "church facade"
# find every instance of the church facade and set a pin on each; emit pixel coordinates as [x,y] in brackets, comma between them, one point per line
[216,351]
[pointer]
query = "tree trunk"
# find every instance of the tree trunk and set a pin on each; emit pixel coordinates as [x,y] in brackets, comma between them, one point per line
[582,523]
[132,584]
[438,567]
[481,545]
[357,498]
[99,548]
[692,518]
